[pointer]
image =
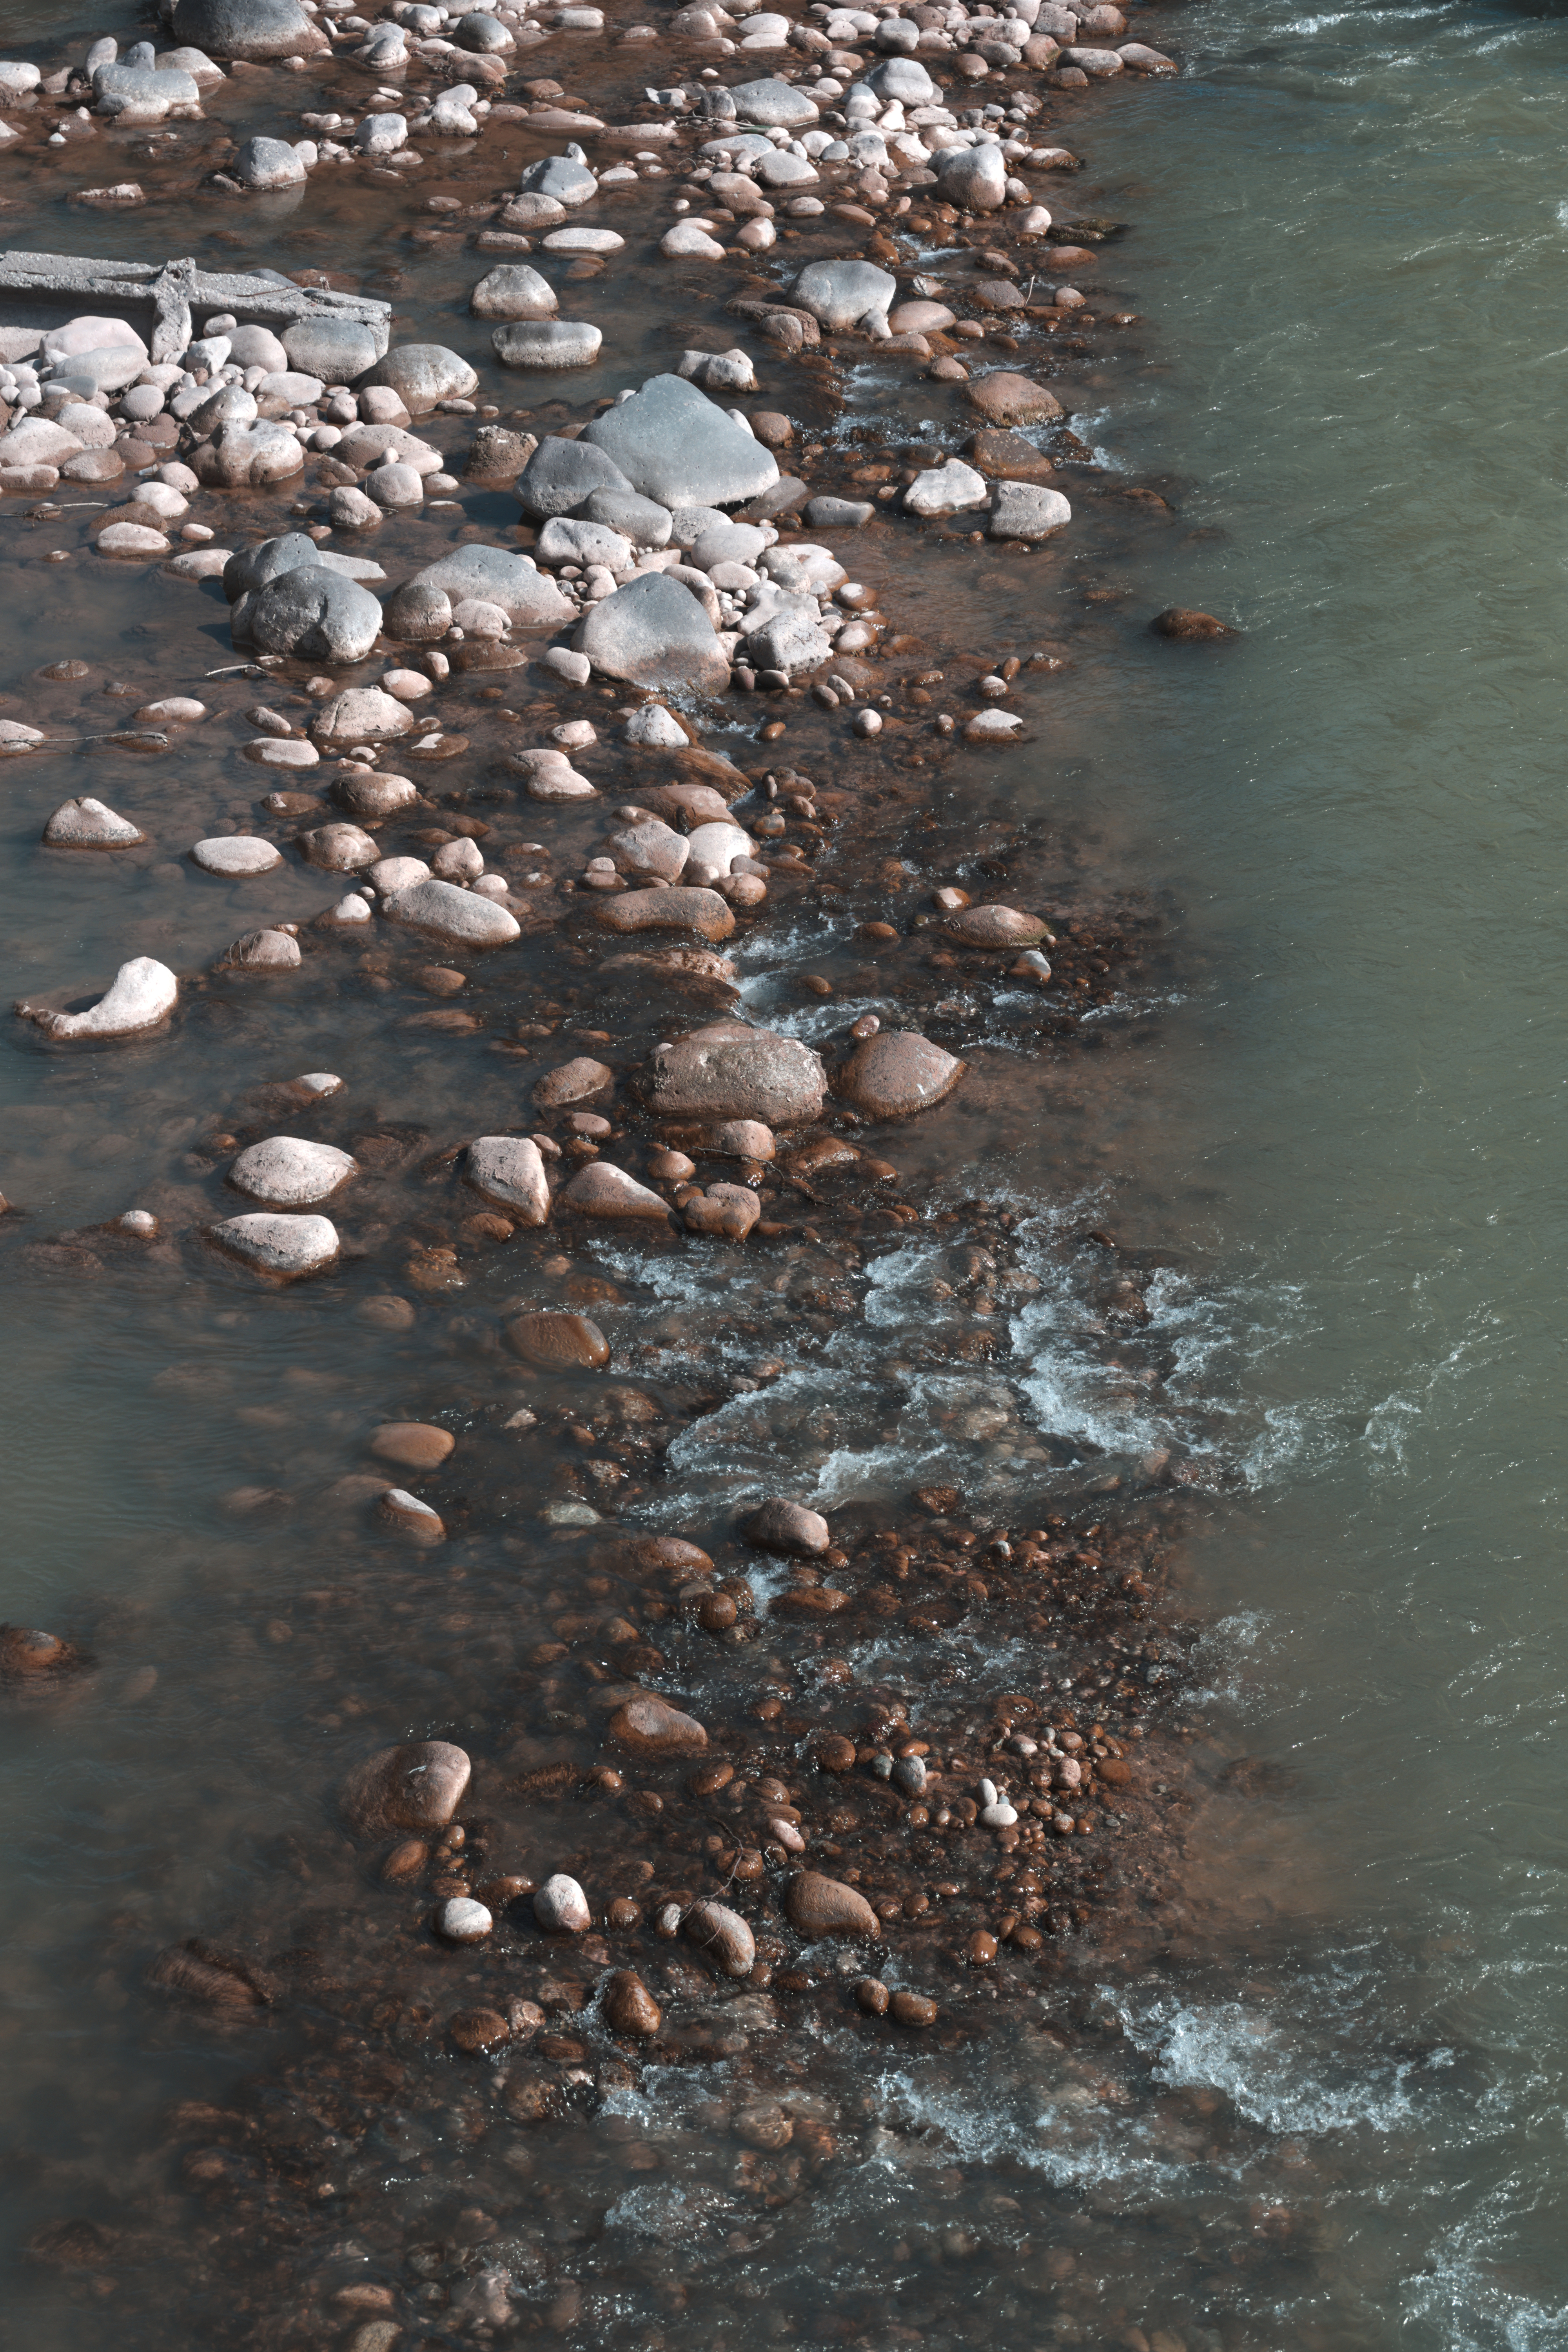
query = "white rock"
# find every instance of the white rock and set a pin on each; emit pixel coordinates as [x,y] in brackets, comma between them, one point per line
[952,488]
[320,1082]
[88,825]
[143,994]
[463,1921]
[17,740]
[235,854]
[510,1170]
[561,1907]
[398,873]
[289,1173]
[285,1246]
[653,724]
[452,914]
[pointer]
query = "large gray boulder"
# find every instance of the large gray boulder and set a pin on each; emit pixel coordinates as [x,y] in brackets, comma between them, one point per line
[267,163]
[678,446]
[776,104]
[130,92]
[314,614]
[291,550]
[561,476]
[512,290]
[565,179]
[642,520]
[495,575]
[339,350]
[904,79]
[727,1070]
[974,177]
[242,455]
[255,29]
[654,633]
[421,375]
[843,293]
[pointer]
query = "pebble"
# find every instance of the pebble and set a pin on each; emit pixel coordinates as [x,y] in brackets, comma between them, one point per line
[561,1907]
[406,1515]
[651,1726]
[236,855]
[447,912]
[558,1342]
[818,1906]
[913,2009]
[463,1921]
[629,2007]
[723,1935]
[602,1189]
[412,1445]
[782,1525]
[287,1171]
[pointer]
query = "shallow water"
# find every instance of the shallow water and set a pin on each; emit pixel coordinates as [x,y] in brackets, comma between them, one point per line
[1331,2114]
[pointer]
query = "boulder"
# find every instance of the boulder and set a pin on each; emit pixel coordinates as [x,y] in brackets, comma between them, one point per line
[337,848]
[416,1787]
[952,489]
[561,476]
[727,1070]
[1185,626]
[462,916]
[88,825]
[287,1248]
[603,1190]
[494,575]
[723,1935]
[903,78]
[840,294]
[641,520]
[255,30]
[338,350]
[508,1169]
[651,1726]
[547,343]
[558,1343]
[654,633]
[677,446]
[143,994]
[896,1075]
[776,104]
[1028,510]
[267,163]
[1006,398]
[314,614]
[702,911]
[363,714]
[287,1171]
[421,375]
[247,456]
[817,1906]
[513,290]
[564,179]
[975,178]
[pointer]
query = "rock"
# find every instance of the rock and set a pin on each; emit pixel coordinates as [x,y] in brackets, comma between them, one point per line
[495,576]
[998,452]
[463,1921]
[1009,399]
[677,910]
[577,1081]
[973,177]
[236,855]
[776,104]
[499,454]
[337,848]
[143,994]
[565,179]
[561,1907]
[364,794]
[245,455]
[17,740]
[871,1995]
[337,350]
[513,290]
[267,163]
[817,1906]
[602,1189]
[549,776]
[653,724]
[255,30]
[404,1514]
[841,294]
[476,2032]
[417,1786]
[566,540]
[462,916]
[289,1173]
[289,1247]
[547,343]
[629,2007]
[510,1170]
[88,825]
[558,1343]
[1027,510]
[28,1656]
[992,727]
[561,476]
[729,1210]
[730,371]
[421,375]
[680,449]
[1185,626]
[723,1935]
[641,520]
[903,78]
[782,1525]
[913,2009]
[1099,65]
[651,1726]
[363,714]
[896,1075]
[952,489]
[654,633]
[314,614]
[365,446]
[650,847]
[131,539]
[727,1070]
[839,514]
[995,927]
[412,1445]
[792,640]
[219,1979]
[689,241]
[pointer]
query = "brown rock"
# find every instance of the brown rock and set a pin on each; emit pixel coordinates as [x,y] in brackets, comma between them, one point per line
[479,2031]
[387,1312]
[1008,456]
[981,1949]
[651,1726]
[1114,1772]
[28,1656]
[779,1525]
[603,1190]
[414,1445]
[1008,399]
[677,909]
[817,1906]
[807,1601]
[723,1935]
[727,1071]
[1188,628]
[728,1210]
[913,2009]
[872,1995]
[645,1554]
[405,1861]
[630,2008]
[763,2125]
[831,1752]
[417,1786]
[405,1514]
[994,927]
[559,1343]
[574,1082]
[201,1971]
[772,429]
[897,1075]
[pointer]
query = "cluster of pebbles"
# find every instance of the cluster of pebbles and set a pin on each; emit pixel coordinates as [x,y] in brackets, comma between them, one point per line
[733,1802]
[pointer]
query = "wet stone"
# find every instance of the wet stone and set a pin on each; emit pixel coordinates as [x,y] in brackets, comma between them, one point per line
[818,1906]
[89,824]
[790,1527]
[561,1907]
[558,1342]
[729,1071]
[897,1075]
[412,1445]
[287,1171]
[510,1170]
[651,1726]
[629,2008]
[284,1247]
[723,1935]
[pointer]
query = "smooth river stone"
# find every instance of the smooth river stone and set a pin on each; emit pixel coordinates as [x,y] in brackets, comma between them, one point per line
[561,1907]
[362,714]
[897,1074]
[651,1726]
[88,825]
[510,1170]
[236,855]
[285,1246]
[702,911]
[417,1786]
[287,1172]
[602,1189]
[727,1070]
[460,917]
[723,1935]
[995,927]
[678,446]
[817,1906]
[574,1082]
[558,1343]
[412,1445]
[782,1525]
[143,994]
[654,633]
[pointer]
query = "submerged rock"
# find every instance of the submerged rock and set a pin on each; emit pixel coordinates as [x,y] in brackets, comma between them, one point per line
[287,1171]
[285,1246]
[88,825]
[143,992]
[417,1786]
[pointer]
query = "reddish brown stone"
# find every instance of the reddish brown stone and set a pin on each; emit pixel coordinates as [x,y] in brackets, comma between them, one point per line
[558,1343]
[630,2008]
[897,1074]
[913,2009]
[417,1786]
[818,1906]
[651,1727]
[1008,399]
[479,2031]
[1189,627]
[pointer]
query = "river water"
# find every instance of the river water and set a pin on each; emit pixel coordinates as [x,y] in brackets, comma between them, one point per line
[1347,234]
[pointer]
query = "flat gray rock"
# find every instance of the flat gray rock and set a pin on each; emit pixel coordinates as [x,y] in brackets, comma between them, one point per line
[840,294]
[564,179]
[236,855]
[561,476]
[547,343]
[727,1070]
[776,104]
[460,916]
[839,514]
[314,614]
[497,576]
[88,825]
[791,640]
[267,163]
[642,520]
[339,350]
[654,633]
[254,30]
[285,1246]
[1028,510]
[287,1171]
[904,79]
[508,1169]
[421,375]
[565,541]
[678,446]
[513,290]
